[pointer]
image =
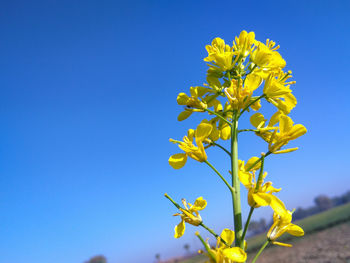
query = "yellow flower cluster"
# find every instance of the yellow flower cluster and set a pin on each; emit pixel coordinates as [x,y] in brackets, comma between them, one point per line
[241,77]
[223,252]
[189,215]
[259,193]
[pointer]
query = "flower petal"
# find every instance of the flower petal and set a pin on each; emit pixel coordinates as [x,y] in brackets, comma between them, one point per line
[295,230]
[297,131]
[235,254]
[257,120]
[225,131]
[252,82]
[182,99]
[286,124]
[245,178]
[180,229]
[228,235]
[278,206]
[202,132]
[262,199]
[184,115]
[281,244]
[199,204]
[286,150]
[178,160]
[250,162]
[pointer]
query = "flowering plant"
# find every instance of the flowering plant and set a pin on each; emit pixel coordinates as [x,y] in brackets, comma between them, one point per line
[235,75]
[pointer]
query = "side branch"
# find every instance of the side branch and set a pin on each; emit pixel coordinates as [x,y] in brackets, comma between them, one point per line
[214,234]
[218,115]
[221,147]
[219,174]
[250,104]
[244,130]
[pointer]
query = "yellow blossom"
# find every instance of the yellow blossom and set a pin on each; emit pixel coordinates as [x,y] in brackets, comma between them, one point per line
[215,132]
[281,224]
[259,193]
[266,56]
[199,101]
[277,137]
[243,44]
[189,215]
[220,54]
[278,92]
[240,97]
[224,253]
[197,153]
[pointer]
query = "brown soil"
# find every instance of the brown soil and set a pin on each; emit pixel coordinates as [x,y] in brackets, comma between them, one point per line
[331,245]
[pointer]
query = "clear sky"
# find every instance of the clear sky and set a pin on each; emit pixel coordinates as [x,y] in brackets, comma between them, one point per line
[88,103]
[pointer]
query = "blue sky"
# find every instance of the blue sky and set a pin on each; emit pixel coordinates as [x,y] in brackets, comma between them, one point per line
[88,103]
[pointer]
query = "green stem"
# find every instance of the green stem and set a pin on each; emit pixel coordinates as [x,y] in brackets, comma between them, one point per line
[259,160]
[171,200]
[260,177]
[207,248]
[260,251]
[247,222]
[219,174]
[251,103]
[211,231]
[236,198]
[217,114]
[244,130]
[252,69]
[221,147]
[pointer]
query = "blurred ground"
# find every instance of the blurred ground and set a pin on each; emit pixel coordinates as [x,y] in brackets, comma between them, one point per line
[327,240]
[331,245]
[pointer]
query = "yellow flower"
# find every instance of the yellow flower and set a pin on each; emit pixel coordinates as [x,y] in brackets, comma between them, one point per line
[226,254]
[266,56]
[189,215]
[279,136]
[259,193]
[240,97]
[220,54]
[197,153]
[243,44]
[278,92]
[281,224]
[221,128]
[199,101]
[215,132]
[224,128]
[193,103]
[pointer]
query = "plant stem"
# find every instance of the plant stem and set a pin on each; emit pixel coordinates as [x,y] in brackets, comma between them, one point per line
[247,222]
[217,114]
[260,177]
[259,160]
[171,200]
[219,174]
[207,248]
[260,251]
[251,103]
[221,147]
[244,130]
[236,198]
[211,231]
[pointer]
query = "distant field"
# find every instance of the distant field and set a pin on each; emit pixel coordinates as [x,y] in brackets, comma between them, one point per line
[310,225]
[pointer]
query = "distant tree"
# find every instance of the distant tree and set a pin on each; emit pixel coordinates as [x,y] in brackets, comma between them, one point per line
[257,227]
[187,248]
[158,257]
[97,259]
[323,202]
[300,213]
[346,197]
